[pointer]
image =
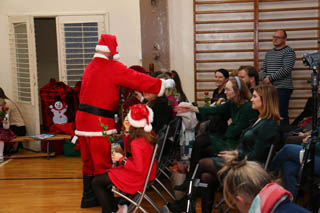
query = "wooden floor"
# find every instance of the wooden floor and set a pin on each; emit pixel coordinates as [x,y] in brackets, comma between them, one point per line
[41,185]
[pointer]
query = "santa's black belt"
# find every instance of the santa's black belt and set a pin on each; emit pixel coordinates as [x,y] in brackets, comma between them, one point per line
[96,111]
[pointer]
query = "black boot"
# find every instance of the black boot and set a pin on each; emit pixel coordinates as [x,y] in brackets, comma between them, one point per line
[102,187]
[89,198]
[207,199]
[181,205]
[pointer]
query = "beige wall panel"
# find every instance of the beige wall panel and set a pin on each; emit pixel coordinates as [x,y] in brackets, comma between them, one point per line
[302,93]
[226,65]
[205,76]
[219,16]
[297,103]
[224,26]
[239,6]
[224,36]
[207,86]
[301,74]
[227,55]
[225,46]
[288,24]
[291,4]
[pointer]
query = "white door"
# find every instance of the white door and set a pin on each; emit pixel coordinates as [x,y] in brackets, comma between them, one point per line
[24,69]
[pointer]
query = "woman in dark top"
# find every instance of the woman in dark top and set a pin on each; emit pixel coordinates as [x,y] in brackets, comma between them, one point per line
[222,77]
[161,109]
[238,108]
[255,141]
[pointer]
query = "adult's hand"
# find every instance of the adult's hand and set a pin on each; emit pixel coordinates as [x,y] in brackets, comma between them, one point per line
[138,95]
[182,109]
[266,80]
[224,153]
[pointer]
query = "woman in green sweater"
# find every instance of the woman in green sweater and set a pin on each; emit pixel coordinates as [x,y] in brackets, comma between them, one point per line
[254,142]
[237,108]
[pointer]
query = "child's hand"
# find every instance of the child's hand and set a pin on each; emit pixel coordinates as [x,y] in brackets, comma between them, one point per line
[116,156]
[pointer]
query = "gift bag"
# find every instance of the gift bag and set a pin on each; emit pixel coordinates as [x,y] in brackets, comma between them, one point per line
[57,104]
[177,179]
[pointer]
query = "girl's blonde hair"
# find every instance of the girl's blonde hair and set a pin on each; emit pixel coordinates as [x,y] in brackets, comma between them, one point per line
[241,177]
[270,103]
[244,92]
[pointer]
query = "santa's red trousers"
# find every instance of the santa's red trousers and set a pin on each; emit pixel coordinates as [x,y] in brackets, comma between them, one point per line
[95,155]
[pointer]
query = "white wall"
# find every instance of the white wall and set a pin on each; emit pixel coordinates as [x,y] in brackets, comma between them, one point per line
[181,43]
[124,21]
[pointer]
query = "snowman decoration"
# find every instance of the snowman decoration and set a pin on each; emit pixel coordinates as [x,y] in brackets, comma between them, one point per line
[58,111]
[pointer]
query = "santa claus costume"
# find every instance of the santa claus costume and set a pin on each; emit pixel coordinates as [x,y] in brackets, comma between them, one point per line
[99,99]
[130,176]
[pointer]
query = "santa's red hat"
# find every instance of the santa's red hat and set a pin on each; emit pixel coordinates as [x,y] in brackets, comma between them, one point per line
[140,115]
[108,43]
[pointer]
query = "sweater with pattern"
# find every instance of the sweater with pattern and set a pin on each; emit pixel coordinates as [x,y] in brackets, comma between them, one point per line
[278,65]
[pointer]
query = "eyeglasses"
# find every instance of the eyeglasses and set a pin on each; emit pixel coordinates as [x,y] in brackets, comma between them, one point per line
[277,37]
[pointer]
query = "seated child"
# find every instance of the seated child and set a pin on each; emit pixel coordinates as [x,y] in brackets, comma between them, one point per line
[129,177]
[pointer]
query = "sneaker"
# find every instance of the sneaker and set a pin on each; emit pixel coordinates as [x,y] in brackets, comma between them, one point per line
[1,159]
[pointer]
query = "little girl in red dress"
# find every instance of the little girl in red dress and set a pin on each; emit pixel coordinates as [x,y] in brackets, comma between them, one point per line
[130,176]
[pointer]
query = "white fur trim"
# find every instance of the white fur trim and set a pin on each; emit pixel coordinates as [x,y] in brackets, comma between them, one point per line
[142,122]
[116,57]
[92,134]
[102,48]
[99,55]
[148,128]
[163,87]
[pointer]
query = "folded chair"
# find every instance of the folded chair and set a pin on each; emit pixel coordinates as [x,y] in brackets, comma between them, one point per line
[173,139]
[162,140]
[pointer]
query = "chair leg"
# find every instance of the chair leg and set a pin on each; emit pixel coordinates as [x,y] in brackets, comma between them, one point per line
[165,188]
[159,193]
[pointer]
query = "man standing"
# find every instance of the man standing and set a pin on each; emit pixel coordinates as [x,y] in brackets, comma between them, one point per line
[250,76]
[99,99]
[276,70]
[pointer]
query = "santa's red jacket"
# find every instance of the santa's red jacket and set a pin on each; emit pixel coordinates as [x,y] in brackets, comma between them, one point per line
[99,99]
[100,88]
